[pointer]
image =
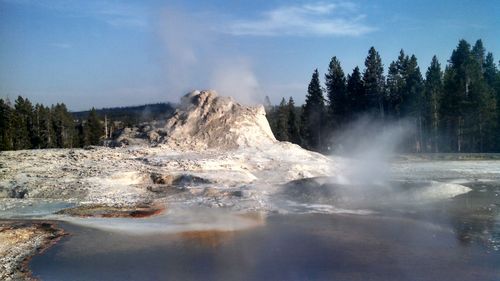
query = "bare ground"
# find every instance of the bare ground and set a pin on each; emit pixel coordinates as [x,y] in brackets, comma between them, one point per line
[19,241]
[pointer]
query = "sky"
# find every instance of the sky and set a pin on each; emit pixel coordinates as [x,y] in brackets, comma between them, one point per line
[106,53]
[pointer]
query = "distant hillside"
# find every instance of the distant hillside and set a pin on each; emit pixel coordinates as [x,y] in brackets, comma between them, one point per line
[132,114]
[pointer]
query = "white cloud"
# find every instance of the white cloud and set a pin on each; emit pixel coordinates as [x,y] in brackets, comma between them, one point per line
[319,8]
[117,14]
[120,14]
[315,19]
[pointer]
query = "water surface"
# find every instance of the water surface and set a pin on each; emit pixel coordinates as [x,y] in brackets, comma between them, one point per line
[452,239]
[287,247]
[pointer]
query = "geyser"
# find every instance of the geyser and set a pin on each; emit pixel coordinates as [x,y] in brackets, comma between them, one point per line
[207,120]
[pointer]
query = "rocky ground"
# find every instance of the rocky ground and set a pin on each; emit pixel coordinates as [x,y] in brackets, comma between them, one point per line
[132,176]
[19,241]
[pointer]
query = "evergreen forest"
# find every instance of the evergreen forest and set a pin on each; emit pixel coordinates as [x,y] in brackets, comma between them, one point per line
[450,107]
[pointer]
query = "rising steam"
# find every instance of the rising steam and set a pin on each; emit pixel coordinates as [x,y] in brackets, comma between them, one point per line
[197,57]
[367,147]
[365,151]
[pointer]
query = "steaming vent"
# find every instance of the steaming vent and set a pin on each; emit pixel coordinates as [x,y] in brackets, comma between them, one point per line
[205,120]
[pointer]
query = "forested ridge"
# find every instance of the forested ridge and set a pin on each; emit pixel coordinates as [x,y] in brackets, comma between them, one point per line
[132,115]
[449,108]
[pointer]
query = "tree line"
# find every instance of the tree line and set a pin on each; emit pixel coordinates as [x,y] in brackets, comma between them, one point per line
[452,110]
[27,126]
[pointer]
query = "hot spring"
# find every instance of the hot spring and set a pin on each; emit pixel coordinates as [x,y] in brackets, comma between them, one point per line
[431,220]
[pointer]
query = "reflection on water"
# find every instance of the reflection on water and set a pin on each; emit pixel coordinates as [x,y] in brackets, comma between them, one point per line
[287,247]
[208,239]
[476,215]
[478,228]
[174,220]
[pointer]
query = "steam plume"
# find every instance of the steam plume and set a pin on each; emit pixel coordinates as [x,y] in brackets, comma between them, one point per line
[198,58]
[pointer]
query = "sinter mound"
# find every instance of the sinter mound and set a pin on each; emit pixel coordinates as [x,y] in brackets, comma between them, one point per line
[206,120]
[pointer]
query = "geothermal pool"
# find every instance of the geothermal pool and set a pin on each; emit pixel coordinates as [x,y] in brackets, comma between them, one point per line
[445,239]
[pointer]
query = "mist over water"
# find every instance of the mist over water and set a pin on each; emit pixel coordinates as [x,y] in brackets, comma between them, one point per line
[364,153]
[367,146]
[364,150]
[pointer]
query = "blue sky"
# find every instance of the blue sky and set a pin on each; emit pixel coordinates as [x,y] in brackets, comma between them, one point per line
[107,53]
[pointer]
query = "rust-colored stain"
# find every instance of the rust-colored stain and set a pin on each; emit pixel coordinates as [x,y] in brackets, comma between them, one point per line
[138,213]
[48,229]
[114,212]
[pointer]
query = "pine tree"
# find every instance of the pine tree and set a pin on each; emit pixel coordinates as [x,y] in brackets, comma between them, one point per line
[486,127]
[396,85]
[478,54]
[335,81]
[63,126]
[430,107]
[45,129]
[57,125]
[36,126]
[282,122]
[482,102]
[93,129]
[403,72]
[23,124]
[450,112]
[490,70]
[313,115]
[469,103]
[497,90]
[293,126]
[392,88]
[480,106]
[6,126]
[412,100]
[80,137]
[456,90]
[374,83]
[492,78]
[356,94]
